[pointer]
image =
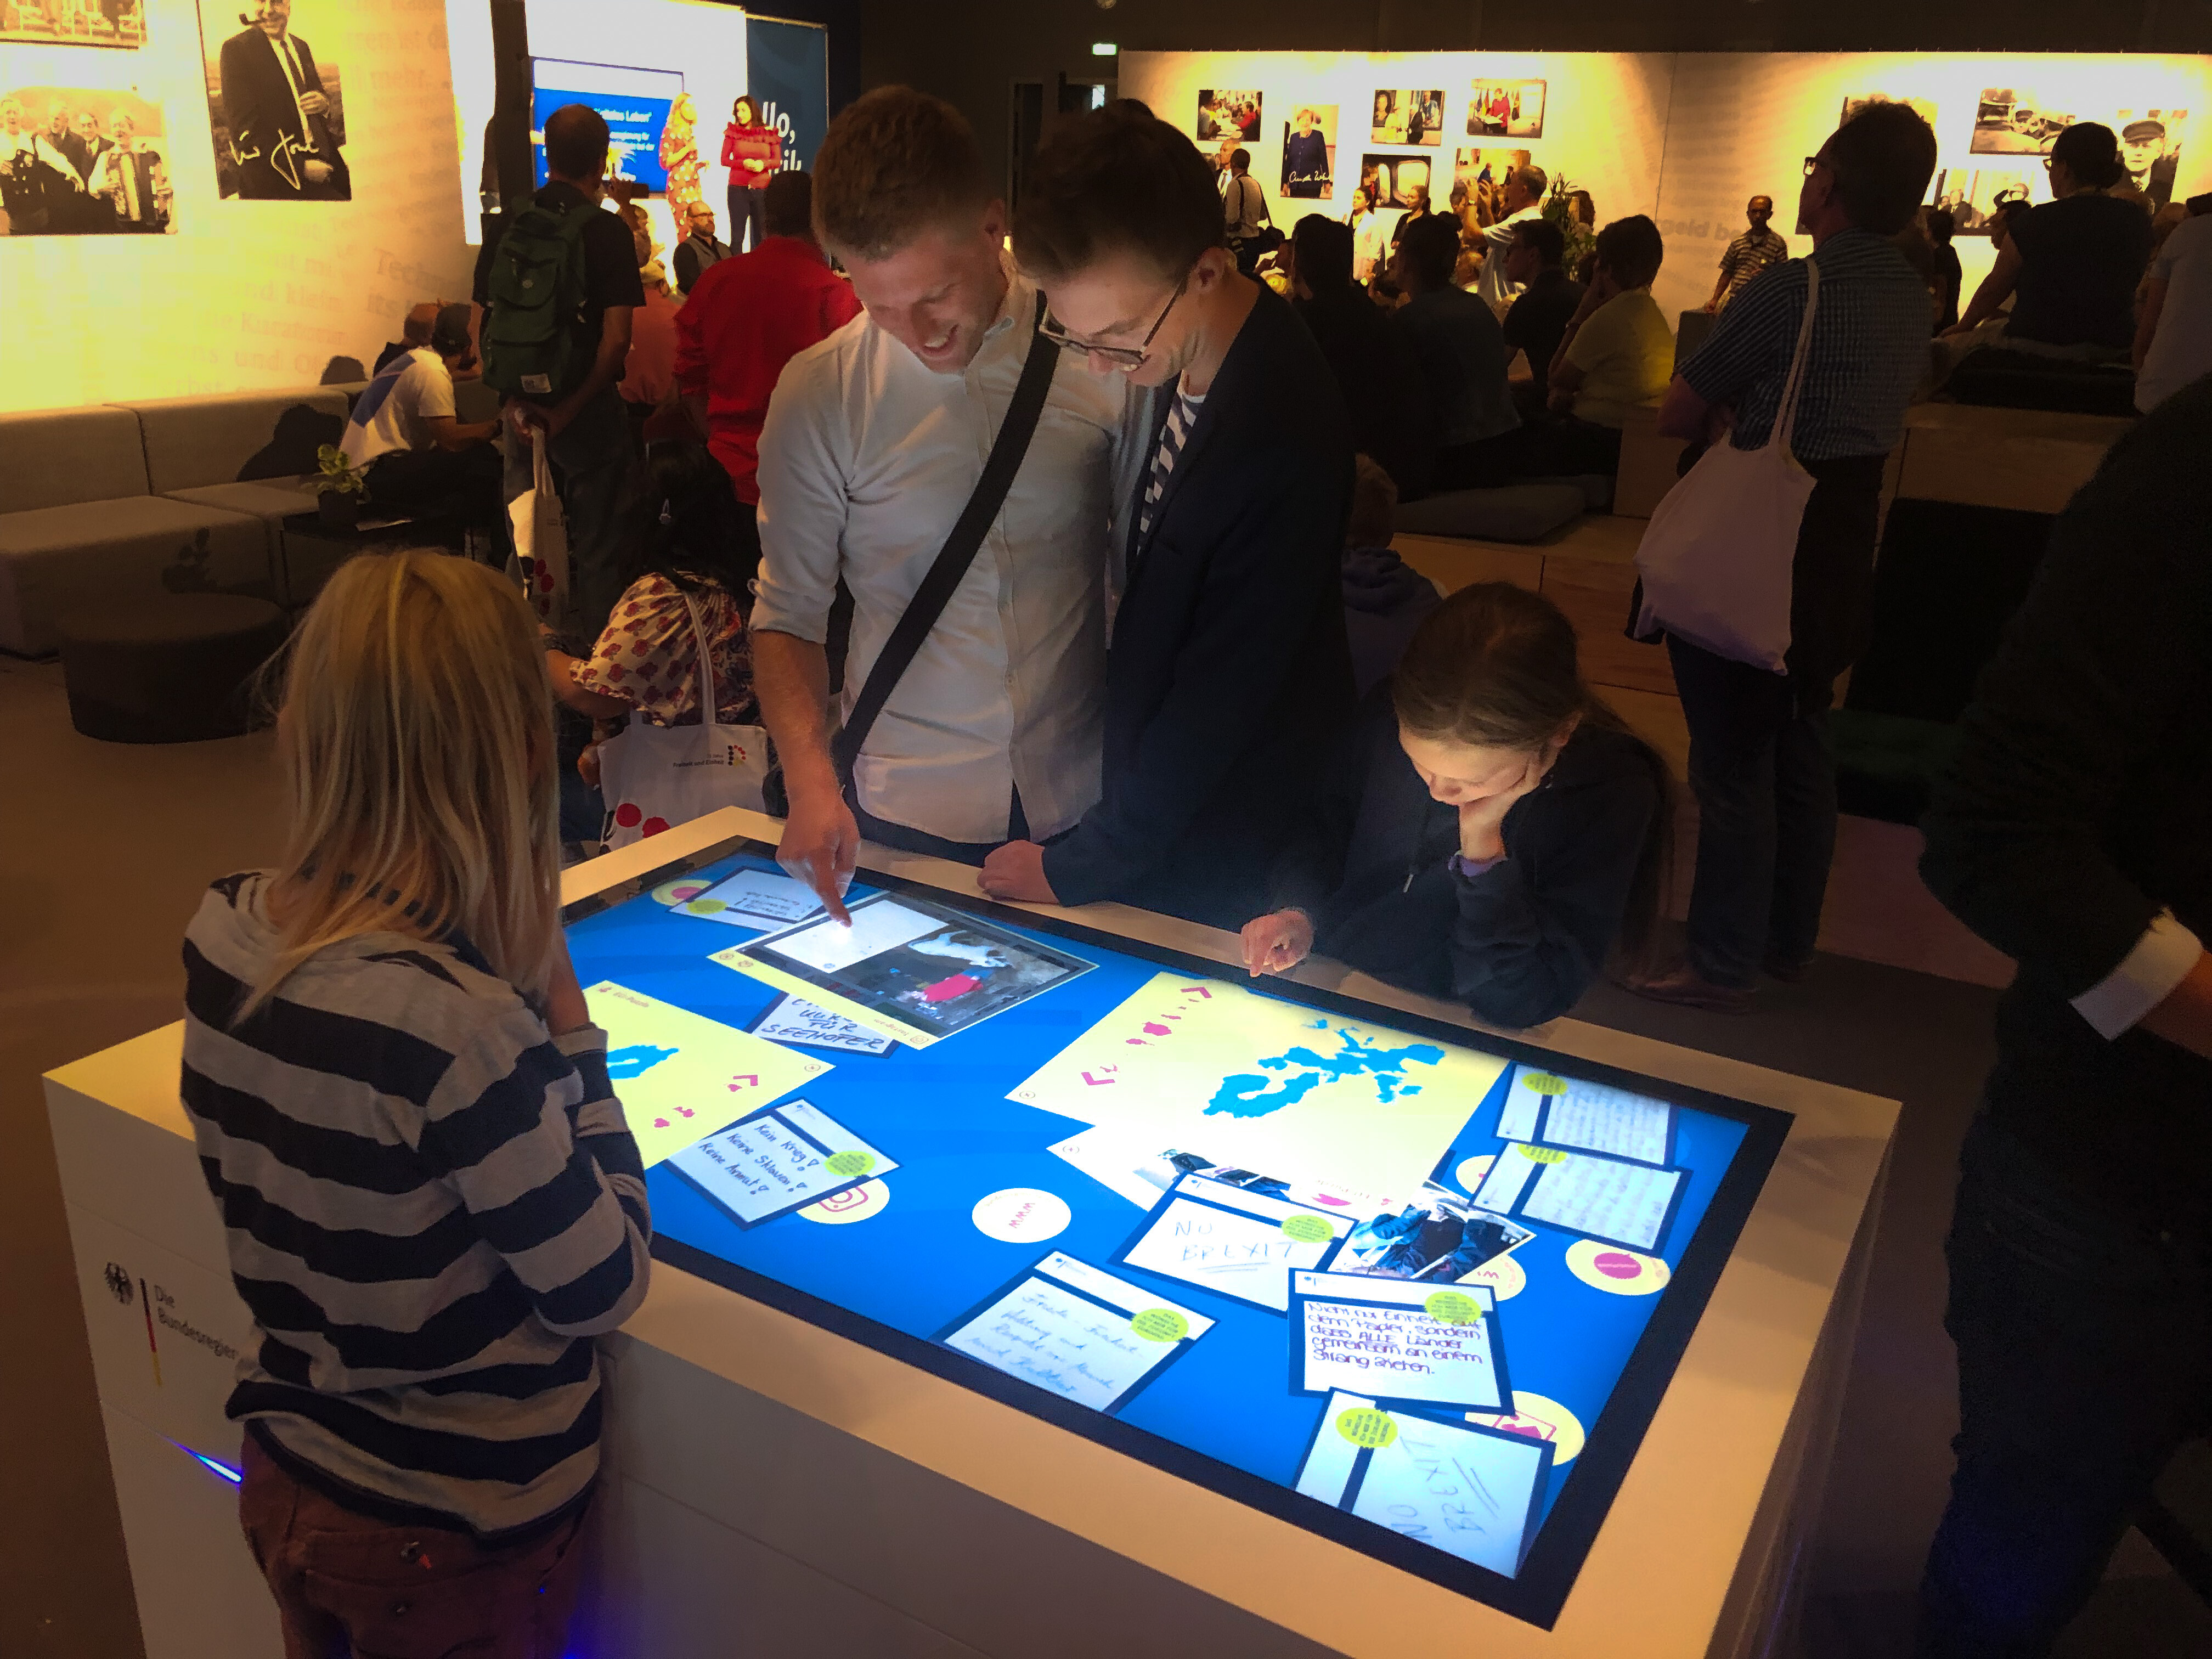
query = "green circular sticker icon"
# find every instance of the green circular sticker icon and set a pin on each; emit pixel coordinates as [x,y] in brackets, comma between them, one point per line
[1160,1325]
[1542,1154]
[851,1162]
[1307,1229]
[1543,1082]
[705,907]
[1454,1308]
[1364,1427]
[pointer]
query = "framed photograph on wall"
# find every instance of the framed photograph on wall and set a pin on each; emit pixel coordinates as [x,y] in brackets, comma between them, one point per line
[1505,109]
[1414,117]
[1971,194]
[1309,153]
[79,162]
[2151,144]
[278,112]
[1228,115]
[2018,121]
[1397,182]
[73,23]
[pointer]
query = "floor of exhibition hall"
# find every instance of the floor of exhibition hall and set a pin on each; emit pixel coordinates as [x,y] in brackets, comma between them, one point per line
[109,846]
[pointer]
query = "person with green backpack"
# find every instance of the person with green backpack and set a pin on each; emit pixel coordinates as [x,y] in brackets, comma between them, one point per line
[559,285]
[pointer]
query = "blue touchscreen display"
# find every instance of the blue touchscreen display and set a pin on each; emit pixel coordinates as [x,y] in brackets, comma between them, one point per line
[1408,1285]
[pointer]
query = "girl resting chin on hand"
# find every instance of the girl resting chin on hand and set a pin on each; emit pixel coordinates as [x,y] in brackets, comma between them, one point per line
[1491,830]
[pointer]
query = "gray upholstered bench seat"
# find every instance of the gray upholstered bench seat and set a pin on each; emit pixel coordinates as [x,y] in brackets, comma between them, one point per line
[243,451]
[176,668]
[272,499]
[55,559]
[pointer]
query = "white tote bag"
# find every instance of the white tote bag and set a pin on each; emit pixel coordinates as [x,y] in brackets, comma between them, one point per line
[541,537]
[1715,561]
[655,776]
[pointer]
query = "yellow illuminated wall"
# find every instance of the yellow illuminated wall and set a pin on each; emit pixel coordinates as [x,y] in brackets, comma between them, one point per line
[246,293]
[1685,138]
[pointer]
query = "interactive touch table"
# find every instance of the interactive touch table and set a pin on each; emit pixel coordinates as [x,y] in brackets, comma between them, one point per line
[1042,1285]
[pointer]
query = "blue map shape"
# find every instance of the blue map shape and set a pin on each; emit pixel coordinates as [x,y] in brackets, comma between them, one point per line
[1246,1095]
[636,1060]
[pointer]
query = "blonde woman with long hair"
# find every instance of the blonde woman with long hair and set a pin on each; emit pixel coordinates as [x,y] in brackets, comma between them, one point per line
[431,1198]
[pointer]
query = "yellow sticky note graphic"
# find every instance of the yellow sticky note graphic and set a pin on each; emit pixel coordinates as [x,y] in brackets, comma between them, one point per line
[681,1076]
[1288,1090]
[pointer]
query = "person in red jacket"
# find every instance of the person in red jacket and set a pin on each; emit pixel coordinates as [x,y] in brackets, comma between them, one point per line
[745,318]
[753,152]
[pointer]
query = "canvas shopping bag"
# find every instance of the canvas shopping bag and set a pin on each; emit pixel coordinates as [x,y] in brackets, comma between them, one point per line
[1715,561]
[655,776]
[540,559]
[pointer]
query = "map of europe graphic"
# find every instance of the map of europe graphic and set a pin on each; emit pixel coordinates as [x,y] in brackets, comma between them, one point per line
[1249,1078]
[1299,1071]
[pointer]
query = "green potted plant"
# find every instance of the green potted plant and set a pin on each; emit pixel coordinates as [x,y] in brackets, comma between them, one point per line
[1560,207]
[340,491]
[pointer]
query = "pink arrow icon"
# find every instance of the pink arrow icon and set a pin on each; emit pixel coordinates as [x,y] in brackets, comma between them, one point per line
[738,1083]
[1097,1082]
[1196,990]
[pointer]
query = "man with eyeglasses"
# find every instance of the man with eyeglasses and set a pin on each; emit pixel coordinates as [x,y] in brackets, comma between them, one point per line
[1759,246]
[1229,674]
[874,440]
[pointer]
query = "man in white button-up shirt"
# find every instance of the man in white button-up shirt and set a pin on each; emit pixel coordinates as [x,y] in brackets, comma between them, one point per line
[1523,198]
[874,440]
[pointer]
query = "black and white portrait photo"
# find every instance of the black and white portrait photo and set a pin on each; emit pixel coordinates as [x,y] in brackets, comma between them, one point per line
[277,112]
[72,23]
[76,161]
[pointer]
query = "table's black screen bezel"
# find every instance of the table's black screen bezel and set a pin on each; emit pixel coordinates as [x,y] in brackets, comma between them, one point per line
[1555,1557]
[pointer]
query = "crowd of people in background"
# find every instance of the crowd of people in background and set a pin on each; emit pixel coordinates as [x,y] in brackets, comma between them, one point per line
[1133,464]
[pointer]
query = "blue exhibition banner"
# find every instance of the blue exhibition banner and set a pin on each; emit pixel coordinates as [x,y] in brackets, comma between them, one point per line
[634,103]
[787,72]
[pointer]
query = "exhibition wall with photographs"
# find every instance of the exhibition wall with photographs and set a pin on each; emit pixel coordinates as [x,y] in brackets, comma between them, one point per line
[314,168]
[223,196]
[1686,138]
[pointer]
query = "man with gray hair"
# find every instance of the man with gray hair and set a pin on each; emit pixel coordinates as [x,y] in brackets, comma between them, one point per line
[20,198]
[133,181]
[1523,197]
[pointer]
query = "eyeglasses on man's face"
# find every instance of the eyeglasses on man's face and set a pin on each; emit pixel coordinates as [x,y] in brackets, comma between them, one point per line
[1120,356]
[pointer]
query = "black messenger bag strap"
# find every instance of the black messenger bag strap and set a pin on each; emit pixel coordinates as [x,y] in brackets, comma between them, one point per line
[955,556]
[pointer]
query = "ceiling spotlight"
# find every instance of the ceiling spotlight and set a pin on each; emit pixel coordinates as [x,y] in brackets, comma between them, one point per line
[1103,49]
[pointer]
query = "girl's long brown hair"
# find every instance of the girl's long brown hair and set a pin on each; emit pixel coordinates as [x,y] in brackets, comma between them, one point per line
[1497,666]
[417,741]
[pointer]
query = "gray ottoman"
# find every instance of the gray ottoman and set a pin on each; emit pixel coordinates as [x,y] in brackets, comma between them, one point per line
[176,668]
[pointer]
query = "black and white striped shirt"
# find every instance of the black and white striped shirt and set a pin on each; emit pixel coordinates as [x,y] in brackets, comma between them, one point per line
[431,1207]
[1182,416]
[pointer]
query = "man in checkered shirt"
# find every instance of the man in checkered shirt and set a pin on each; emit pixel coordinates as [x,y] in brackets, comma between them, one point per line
[1761,762]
